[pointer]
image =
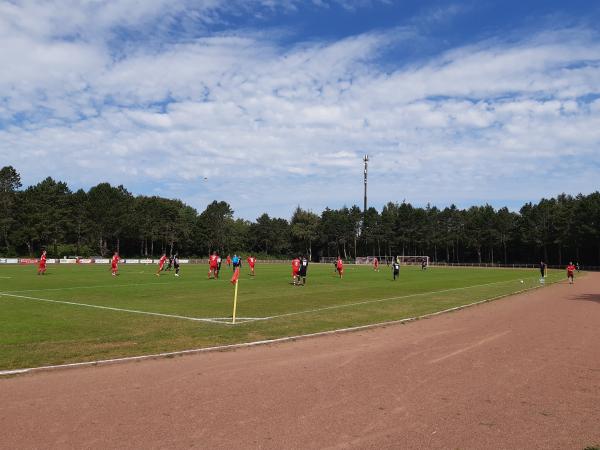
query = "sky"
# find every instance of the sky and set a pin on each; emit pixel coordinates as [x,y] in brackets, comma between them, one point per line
[270,104]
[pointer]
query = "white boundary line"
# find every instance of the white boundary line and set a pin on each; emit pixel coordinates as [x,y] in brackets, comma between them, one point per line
[336,289]
[237,319]
[222,348]
[86,287]
[242,320]
[110,308]
[365,302]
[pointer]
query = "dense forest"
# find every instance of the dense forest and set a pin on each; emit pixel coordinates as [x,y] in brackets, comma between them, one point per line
[107,218]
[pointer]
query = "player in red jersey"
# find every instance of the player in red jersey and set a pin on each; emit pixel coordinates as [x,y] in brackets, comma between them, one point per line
[114,263]
[295,270]
[161,263]
[376,265]
[251,262]
[570,272]
[213,266]
[228,260]
[339,265]
[42,264]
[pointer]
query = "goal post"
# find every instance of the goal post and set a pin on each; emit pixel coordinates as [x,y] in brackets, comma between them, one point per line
[402,259]
[365,259]
[414,260]
[328,259]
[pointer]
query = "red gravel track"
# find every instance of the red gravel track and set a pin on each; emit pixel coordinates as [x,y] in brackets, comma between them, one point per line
[522,372]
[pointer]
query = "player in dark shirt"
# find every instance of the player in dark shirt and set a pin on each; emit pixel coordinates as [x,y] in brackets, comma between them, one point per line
[176,264]
[303,269]
[543,268]
[396,269]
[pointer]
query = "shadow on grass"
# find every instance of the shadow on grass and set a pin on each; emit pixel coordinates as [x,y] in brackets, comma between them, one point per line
[588,298]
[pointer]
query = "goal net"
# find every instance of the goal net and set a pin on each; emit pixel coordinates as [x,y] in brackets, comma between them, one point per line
[328,259]
[366,259]
[413,260]
[405,260]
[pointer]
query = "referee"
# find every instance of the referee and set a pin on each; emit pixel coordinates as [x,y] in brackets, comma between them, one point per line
[303,269]
[176,263]
[396,269]
[543,269]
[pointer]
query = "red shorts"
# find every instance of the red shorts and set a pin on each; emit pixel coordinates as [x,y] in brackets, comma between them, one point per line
[294,272]
[213,267]
[570,274]
[114,266]
[42,265]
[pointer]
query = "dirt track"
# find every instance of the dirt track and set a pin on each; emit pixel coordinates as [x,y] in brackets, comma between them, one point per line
[522,372]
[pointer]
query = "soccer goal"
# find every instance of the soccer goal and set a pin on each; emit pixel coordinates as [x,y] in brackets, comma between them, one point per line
[413,260]
[328,259]
[405,260]
[365,259]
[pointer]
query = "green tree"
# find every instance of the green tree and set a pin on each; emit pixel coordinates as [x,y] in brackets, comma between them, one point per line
[305,229]
[372,232]
[10,182]
[389,217]
[506,222]
[80,222]
[270,235]
[44,214]
[214,225]
[110,213]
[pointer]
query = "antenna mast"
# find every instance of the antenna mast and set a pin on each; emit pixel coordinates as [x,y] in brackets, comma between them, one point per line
[366,161]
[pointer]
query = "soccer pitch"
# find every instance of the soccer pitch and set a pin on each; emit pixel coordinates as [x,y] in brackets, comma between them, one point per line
[79,313]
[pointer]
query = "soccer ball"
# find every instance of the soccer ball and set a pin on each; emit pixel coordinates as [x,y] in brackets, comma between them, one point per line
[521,281]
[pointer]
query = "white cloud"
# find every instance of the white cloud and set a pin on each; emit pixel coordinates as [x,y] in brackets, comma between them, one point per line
[488,121]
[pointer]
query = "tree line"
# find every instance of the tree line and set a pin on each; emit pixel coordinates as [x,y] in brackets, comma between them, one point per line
[107,218]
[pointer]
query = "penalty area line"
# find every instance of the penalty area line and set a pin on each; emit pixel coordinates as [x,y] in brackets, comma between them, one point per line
[110,308]
[222,348]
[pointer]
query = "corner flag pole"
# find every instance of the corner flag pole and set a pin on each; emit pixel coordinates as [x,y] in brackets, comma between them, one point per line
[234,302]
[234,280]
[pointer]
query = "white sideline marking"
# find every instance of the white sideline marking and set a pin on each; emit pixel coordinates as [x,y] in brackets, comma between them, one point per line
[227,320]
[470,347]
[337,289]
[110,308]
[6,278]
[221,348]
[236,318]
[86,287]
[365,302]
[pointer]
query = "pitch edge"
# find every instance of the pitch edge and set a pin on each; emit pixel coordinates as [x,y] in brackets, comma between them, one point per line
[224,348]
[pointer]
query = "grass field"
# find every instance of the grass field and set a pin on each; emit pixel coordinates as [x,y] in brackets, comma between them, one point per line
[80,313]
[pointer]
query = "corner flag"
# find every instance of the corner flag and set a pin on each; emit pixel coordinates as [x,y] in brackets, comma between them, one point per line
[236,275]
